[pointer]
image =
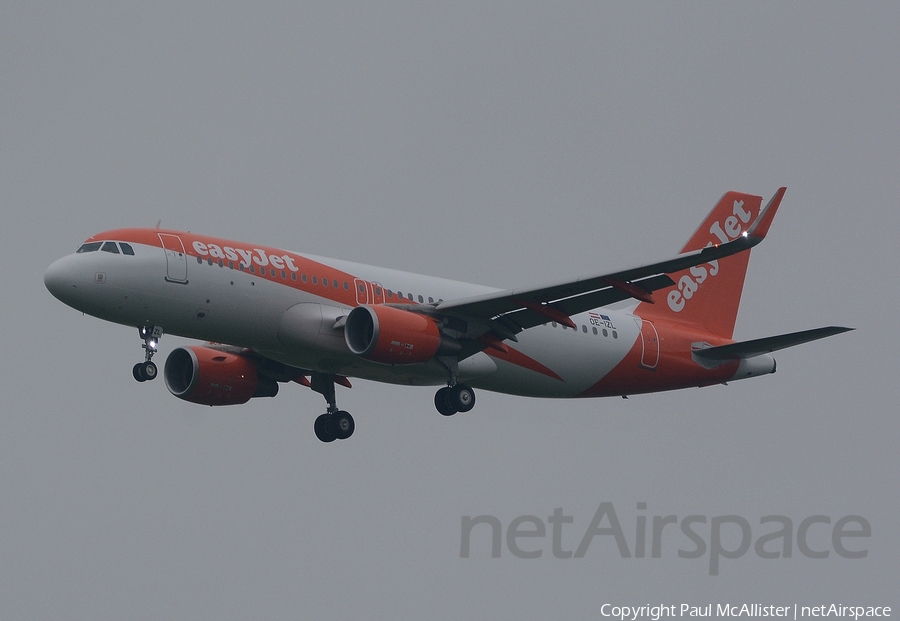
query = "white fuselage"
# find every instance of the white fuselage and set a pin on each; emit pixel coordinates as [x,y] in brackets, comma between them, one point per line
[287,306]
[227,305]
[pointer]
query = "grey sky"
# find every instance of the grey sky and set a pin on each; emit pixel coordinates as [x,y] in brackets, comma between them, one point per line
[508,144]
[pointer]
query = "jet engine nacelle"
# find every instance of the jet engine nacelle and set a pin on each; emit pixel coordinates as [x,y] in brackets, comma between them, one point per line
[394,336]
[212,377]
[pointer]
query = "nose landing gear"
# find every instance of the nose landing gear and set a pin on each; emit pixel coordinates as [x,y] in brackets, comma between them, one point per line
[147,370]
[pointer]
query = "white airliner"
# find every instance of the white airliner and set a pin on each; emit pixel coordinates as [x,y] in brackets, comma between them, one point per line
[273,316]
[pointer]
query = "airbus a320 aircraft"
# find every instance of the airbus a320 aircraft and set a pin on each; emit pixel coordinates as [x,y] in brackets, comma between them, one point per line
[273,316]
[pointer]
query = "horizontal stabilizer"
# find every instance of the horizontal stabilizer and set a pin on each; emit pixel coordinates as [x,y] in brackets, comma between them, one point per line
[757,347]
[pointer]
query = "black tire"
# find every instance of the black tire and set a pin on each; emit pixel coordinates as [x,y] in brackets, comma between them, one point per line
[462,398]
[150,371]
[322,430]
[442,402]
[342,425]
[138,372]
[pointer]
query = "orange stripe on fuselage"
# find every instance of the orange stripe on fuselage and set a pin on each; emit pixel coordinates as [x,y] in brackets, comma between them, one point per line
[675,369]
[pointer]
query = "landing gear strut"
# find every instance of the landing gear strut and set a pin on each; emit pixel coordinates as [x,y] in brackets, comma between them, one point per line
[147,370]
[334,424]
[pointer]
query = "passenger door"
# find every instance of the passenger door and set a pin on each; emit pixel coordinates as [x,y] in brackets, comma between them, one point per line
[176,262]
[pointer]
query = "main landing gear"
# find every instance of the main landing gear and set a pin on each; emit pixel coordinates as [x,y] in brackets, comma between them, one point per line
[452,399]
[147,370]
[455,397]
[334,424]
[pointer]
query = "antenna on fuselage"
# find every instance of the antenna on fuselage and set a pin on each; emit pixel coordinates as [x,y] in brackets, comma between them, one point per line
[159,223]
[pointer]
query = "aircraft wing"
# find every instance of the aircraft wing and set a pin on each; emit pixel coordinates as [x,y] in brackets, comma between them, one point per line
[510,312]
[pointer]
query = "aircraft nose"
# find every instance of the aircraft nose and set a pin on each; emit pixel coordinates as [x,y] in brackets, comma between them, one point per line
[58,279]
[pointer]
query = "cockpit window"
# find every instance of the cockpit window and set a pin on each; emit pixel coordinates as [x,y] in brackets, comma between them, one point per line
[110,247]
[126,248]
[91,247]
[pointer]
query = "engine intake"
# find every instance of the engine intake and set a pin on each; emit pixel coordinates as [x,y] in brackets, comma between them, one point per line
[212,377]
[394,336]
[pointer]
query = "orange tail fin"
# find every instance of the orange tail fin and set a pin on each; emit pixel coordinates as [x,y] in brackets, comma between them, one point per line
[708,295]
